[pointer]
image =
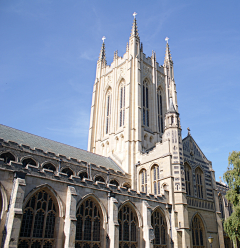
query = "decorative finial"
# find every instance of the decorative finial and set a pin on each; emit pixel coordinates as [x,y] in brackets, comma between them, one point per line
[189,131]
[166,39]
[134,14]
[103,38]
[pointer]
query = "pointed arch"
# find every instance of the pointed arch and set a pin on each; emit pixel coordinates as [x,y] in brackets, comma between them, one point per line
[8,156]
[89,221]
[99,178]
[159,224]
[143,180]
[49,166]
[128,225]
[103,209]
[198,230]
[121,101]
[107,110]
[155,179]
[28,160]
[83,174]
[46,187]
[39,219]
[221,206]
[114,182]
[199,179]
[160,110]
[146,103]
[67,171]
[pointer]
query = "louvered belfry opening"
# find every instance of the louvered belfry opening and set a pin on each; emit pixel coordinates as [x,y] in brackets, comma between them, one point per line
[89,222]
[38,222]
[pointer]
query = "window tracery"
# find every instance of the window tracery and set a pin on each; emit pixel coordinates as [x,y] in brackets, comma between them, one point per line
[197,232]
[155,180]
[188,179]
[160,112]
[160,229]
[122,106]
[145,103]
[38,222]
[89,221]
[143,180]
[199,182]
[127,220]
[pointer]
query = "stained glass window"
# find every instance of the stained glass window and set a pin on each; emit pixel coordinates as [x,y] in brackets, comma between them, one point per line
[38,222]
[88,225]
[197,233]
[160,229]
[127,220]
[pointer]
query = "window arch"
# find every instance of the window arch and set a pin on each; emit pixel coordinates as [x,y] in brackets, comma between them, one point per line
[67,171]
[7,156]
[83,174]
[155,179]
[114,182]
[199,182]
[108,111]
[127,220]
[38,221]
[160,112]
[89,221]
[160,229]
[143,180]
[99,179]
[30,161]
[188,179]
[198,235]
[221,206]
[122,105]
[145,103]
[127,185]
[49,166]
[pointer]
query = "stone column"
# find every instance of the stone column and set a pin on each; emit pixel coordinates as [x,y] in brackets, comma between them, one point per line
[113,225]
[14,215]
[70,218]
[148,232]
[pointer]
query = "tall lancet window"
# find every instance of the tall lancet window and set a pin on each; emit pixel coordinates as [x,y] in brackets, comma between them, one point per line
[160,112]
[143,180]
[155,180]
[122,106]
[145,100]
[199,182]
[108,111]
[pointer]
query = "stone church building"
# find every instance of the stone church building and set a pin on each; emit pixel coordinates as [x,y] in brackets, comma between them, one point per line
[139,185]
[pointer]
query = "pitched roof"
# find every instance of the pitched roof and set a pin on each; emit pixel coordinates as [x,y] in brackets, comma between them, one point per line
[34,141]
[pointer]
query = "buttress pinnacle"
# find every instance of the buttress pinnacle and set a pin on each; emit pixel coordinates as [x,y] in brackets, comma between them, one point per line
[168,56]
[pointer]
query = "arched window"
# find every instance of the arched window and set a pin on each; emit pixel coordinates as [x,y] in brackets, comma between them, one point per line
[67,171]
[49,166]
[114,182]
[145,103]
[143,180]
[122,106]
[29,161]
[127,220]
[89,222]
[199,182]
[160,229]
[155,179]
[230,208]
[221,206]
[108,111]
[7,157]
[83,175]
[99,179]
[198,235]
[160,112]
[127,185]
[188,179]
[38,222]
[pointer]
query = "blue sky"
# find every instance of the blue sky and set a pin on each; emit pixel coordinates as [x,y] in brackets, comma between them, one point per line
[48,60]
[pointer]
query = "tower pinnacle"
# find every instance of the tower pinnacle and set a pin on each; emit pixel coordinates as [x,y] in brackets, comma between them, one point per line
[134,32]
[168,56]
[102,55]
